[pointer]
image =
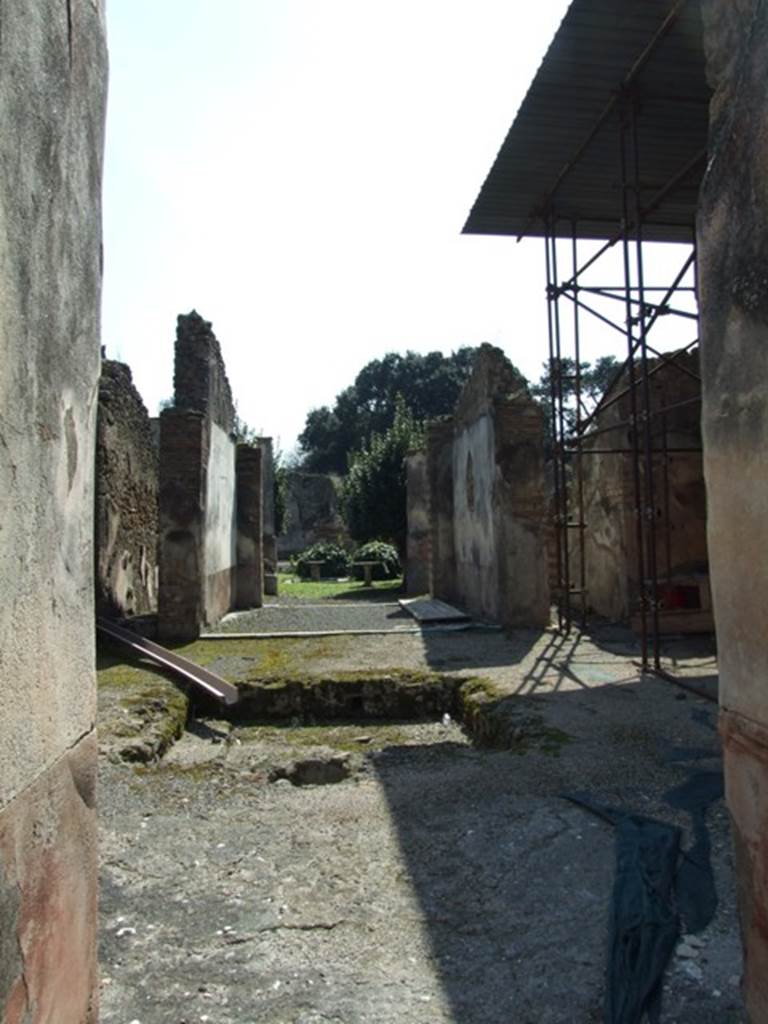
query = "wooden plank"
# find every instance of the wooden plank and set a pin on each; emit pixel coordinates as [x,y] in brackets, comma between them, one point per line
[425,609]
[207,681]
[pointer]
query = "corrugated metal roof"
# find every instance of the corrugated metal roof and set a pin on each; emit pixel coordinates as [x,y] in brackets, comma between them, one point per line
[602,46]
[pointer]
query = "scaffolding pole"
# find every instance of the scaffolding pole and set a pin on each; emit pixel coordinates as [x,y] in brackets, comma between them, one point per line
[647,445]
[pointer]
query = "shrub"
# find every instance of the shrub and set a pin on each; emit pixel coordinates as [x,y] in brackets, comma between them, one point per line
[381,552]
[336,561]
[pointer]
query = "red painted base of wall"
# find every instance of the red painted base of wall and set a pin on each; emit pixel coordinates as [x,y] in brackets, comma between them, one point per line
[48,877]
[745,752]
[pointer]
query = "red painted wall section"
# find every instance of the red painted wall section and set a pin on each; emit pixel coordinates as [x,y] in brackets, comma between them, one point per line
[47,866]
[745,751]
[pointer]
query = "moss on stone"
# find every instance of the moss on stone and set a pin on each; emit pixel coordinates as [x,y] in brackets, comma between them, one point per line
[347,738]
[270,656]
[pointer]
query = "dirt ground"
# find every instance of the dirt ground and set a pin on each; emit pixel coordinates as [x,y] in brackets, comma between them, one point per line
[382,872]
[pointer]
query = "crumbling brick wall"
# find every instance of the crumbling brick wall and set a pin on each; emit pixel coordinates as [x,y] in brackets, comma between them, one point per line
[126,498]
[198,501]
[200,379]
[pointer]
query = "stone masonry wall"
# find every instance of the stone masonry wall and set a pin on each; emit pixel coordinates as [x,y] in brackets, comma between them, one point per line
[733,295]
[126,498]
[52,101]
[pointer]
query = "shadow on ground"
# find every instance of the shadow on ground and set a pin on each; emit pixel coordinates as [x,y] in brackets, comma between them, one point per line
[514,881]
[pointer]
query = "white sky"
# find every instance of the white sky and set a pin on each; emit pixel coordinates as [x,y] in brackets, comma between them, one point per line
[299,171]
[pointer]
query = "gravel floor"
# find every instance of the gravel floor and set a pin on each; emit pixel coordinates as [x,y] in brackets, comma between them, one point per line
[434,883]
[317,618]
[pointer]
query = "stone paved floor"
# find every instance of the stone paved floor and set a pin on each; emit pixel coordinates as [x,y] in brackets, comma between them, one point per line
[437,882]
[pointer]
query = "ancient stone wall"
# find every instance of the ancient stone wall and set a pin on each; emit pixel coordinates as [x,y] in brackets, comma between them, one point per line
[733,256]
[418,555]
[442,581]
[52,99]
[679,514]
[311,511]
[250,527]
[198,505]
[269,538]
[499,500]
[126,498]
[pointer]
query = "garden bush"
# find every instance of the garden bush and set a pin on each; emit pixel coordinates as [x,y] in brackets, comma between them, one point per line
[381,552]
[335,559]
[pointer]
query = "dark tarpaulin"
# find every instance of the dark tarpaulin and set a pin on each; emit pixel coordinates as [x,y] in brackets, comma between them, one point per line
[644,925]
[656,884]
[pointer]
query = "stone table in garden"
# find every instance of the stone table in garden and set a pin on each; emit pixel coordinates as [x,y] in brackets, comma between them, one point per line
[367,568]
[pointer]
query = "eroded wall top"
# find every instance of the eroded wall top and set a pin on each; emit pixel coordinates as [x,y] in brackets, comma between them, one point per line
[493,378]
[199,377]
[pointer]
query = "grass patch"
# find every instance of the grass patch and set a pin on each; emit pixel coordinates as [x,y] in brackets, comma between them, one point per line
[291,586]
[113,671]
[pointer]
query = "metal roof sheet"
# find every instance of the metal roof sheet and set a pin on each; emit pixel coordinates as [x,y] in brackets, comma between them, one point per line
[562,153]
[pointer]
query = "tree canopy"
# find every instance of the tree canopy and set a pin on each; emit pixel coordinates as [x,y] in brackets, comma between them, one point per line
[374,494]
[594,381]
[429,385]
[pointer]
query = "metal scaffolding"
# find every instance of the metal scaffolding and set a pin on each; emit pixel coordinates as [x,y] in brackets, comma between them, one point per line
[574,425]
[614,129]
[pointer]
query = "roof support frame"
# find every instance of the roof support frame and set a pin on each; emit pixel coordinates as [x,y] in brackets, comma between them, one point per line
[647,444]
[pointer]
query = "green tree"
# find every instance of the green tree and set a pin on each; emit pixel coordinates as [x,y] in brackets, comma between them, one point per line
[594,381]
[374,490]
[429,385]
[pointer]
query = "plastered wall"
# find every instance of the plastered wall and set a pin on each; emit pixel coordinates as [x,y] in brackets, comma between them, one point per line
[474,522]
[488,499]
[52,100]
[733,296]
[418,553]
[611,506]
[220,525]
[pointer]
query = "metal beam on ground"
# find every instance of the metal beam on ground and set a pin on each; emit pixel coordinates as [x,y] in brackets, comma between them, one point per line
[201,678]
